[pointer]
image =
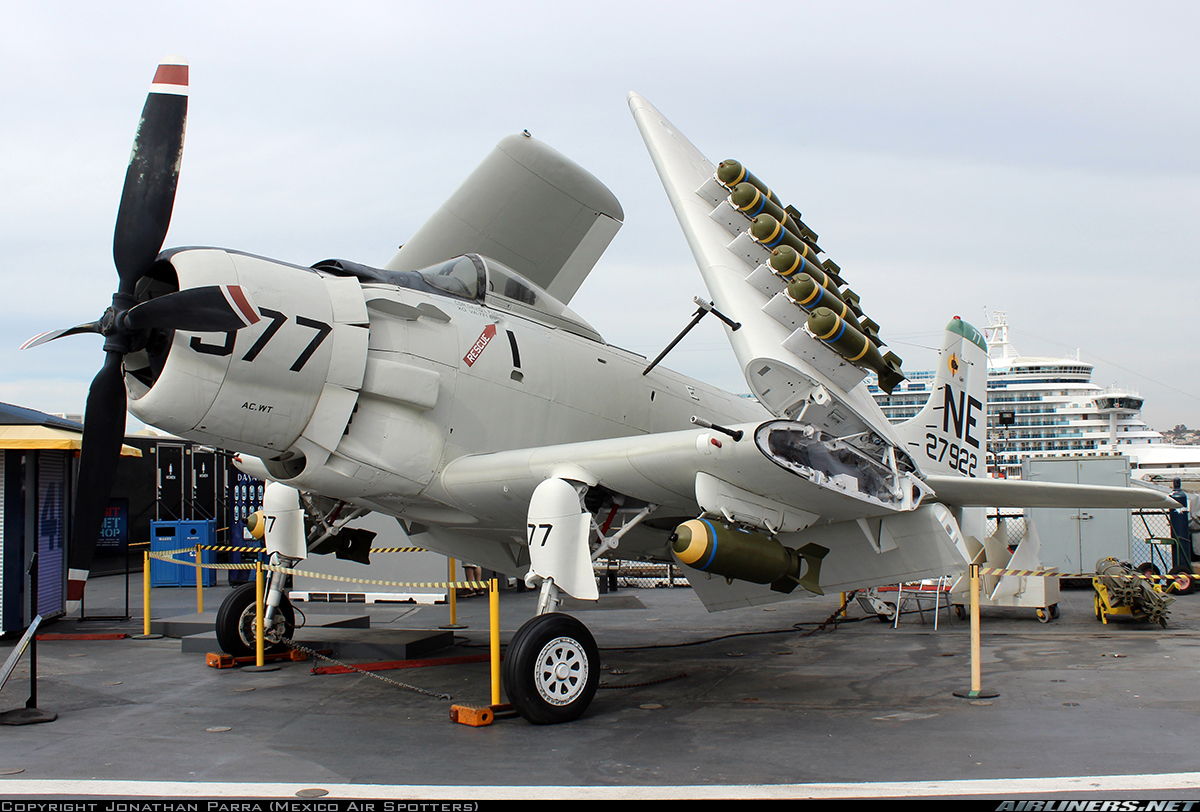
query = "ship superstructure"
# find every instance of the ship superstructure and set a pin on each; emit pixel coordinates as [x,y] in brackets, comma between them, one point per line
[1049,407]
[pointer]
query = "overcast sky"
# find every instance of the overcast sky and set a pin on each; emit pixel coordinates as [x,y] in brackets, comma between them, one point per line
[955,158]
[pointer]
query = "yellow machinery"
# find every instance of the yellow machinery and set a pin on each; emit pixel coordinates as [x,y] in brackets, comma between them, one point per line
[1122,591]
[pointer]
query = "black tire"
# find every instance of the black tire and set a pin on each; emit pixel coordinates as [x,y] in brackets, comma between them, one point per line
[235,623]
[551,669]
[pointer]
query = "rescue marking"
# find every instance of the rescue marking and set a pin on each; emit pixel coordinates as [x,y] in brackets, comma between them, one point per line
[480,345]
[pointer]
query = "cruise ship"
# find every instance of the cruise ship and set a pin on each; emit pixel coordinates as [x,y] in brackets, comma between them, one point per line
[1049,407]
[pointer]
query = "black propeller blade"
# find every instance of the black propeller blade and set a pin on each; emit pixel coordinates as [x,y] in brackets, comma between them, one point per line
[212,309]
[103,431]
[143,218]
[50,335]
[149,192]
[142,221]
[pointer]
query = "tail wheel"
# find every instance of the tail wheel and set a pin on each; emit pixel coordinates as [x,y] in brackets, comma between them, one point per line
[236,623]
[551,669]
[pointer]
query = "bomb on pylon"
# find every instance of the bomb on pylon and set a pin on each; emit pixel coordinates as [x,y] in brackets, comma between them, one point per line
[730,173]
[806,294]
[851,344]
[787,262]
[710,546]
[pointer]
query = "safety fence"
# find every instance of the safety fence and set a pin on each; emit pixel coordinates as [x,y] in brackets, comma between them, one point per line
[469,714]
[196,551]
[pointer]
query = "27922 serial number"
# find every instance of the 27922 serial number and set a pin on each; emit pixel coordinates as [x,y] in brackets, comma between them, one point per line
[960,459]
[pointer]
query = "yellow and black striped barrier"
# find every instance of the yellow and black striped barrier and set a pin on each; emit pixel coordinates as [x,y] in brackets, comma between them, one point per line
[1180,579]
[166,555]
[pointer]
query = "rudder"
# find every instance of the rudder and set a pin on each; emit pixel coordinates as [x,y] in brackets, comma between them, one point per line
[949,434]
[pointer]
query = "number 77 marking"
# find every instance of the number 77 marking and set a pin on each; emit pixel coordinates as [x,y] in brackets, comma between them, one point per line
[277,321]
[535,527]
[322,329]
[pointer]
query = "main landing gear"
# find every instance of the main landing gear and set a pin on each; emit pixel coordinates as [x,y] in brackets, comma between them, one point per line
[551,669]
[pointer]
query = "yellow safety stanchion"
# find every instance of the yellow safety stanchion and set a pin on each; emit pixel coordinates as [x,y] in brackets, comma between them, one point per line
[146,593]
[452,597]
[146,635]
[976,691]
[483,715]
[259,616]
[199,583]
[976,677]
[494,612]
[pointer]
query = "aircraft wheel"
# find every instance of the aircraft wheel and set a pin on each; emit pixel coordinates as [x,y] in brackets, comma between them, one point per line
[235,623]
[889,615]
[551,669]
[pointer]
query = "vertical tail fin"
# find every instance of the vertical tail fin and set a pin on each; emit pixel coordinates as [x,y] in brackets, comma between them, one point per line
[949,434]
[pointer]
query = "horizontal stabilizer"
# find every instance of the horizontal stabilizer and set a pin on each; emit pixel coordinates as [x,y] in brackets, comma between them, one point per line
[1015,493]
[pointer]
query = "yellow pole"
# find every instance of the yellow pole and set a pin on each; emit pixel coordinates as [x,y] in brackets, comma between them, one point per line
[259,647]
[199,584]
[976,682]
[494,611]
[453,596]
[976,690]
[146,593]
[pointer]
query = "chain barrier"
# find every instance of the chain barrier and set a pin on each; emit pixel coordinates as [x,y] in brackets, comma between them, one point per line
[167,555]
[1179,579]
[313,653]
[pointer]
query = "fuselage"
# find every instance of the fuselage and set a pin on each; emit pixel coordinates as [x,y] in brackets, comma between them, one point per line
[364,390]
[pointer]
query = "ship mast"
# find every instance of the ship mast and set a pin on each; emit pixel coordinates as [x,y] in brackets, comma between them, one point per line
[996,335]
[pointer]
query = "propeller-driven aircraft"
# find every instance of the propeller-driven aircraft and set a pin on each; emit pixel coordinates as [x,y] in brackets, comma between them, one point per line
[454,389]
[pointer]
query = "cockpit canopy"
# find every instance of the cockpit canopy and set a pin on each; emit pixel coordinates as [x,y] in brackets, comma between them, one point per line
[479,279]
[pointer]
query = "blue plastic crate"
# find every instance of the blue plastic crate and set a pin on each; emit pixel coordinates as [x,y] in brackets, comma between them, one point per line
[173,536]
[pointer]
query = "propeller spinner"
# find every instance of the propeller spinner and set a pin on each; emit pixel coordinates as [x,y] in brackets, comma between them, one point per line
[147,200]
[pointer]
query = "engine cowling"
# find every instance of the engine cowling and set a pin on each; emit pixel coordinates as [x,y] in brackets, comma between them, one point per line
[290,378]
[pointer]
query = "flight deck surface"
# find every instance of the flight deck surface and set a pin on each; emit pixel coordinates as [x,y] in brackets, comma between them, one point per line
[748,703]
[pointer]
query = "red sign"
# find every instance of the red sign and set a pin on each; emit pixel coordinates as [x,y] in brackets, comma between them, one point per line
[487,335]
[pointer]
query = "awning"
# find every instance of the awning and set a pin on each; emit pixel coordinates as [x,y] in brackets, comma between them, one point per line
[47,438]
